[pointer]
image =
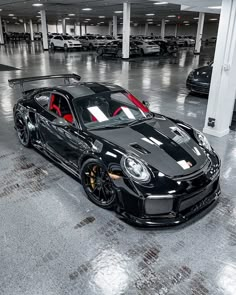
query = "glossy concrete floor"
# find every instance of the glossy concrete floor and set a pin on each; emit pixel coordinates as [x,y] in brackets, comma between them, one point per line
[54,241]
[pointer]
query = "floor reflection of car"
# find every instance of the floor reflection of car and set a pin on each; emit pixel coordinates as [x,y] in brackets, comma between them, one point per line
[65,41]
[115,48]
[148,47]
[199,80]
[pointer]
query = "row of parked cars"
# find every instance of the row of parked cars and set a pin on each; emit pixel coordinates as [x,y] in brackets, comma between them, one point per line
[109,45]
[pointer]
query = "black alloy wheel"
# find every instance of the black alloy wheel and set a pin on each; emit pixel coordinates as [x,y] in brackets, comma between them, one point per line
[100,51]
[22,130]
[97,184]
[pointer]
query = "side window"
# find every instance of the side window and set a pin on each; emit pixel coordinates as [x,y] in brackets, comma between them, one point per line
[43,99]
[60,107]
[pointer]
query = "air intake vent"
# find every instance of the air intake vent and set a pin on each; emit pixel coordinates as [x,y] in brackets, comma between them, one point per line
[140,149]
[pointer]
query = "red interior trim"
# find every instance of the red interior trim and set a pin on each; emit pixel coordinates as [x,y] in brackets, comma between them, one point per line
[137,102]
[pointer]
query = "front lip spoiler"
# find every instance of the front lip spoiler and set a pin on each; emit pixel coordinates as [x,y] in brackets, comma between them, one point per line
[172,219]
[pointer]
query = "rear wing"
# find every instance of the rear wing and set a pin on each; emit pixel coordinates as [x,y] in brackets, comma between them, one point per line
[22,81]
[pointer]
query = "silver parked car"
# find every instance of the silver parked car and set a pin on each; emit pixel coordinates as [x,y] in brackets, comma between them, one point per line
[148,47]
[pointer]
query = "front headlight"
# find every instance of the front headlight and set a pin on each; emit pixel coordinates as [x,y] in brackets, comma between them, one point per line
[191,74]
[135,169]
[202,140]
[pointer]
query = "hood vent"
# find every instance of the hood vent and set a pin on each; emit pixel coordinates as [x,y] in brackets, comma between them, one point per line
[139,148]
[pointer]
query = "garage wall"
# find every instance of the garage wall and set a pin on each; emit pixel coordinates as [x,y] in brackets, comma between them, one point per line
[210,29]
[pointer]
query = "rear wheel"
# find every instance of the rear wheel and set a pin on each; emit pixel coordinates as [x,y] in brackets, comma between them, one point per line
[119,53]
[100,51]
[65,47]
[52,46]
[97,184]
[22,130]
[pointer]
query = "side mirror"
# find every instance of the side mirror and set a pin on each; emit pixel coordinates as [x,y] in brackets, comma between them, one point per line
[146,103]
[60,122]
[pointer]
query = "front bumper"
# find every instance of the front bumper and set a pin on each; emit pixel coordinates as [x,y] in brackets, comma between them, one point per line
[174,218]
[171,201]
[202,88]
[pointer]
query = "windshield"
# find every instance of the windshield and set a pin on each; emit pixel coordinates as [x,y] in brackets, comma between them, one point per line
[110,109]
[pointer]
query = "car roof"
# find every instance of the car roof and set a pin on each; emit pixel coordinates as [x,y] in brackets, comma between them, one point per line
[82,89]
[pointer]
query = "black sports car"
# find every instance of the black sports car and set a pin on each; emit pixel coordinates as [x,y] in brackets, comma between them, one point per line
[115,48]
[199,80]
[150,169]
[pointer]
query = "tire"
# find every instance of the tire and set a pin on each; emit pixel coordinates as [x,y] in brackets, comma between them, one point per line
[119,53]
[97,184]
[186,44]
[52,46]
[100,51]
[90,46]
[22,130]
[65,47]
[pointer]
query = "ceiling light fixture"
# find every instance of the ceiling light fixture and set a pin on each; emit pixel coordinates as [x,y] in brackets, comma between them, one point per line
[196,18]
[71,14]
[88,19]
[213,19]
[187,24]
[37,4]
[0,9]
[86,9]
[160,3]
[171,16]
[101,16]
[11,14]
[118,11]
[67,17]
[214,7]
[150,14]
[150,19]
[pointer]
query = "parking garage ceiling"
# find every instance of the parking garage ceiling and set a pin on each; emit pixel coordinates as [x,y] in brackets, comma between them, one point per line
[101,11]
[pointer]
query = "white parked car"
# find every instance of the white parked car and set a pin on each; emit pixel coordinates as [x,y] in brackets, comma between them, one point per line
[148,47]
[90,42]
[37,36]
[64,41]
[185,41]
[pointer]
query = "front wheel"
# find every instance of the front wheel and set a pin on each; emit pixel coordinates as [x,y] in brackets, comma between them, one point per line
[65,47]
[22,130]
[119,53]
[97,184]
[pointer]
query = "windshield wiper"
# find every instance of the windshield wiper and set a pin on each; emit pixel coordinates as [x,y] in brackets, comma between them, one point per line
[139,120]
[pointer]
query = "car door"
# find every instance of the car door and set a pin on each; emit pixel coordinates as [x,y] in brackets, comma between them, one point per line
[63,142]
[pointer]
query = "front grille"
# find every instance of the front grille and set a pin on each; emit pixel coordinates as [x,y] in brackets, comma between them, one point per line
[197,198]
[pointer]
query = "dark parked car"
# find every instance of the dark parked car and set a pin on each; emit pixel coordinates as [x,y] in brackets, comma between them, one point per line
[151,169]
[115,48]
[199,80]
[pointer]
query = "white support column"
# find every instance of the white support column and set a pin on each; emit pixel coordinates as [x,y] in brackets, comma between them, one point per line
[57,27]
[126,30]
[163,29]
[115,26]
[146,29]
[199,33]
[176,30]
[31,30]
[63,26]
[223,87]
[110,28]
[25,27]
[80,29]
[44,29]
[5,25]
[85,28]
[75,29]
[1,32]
